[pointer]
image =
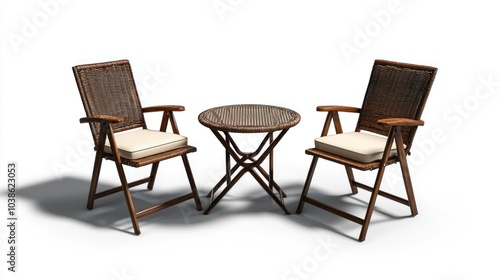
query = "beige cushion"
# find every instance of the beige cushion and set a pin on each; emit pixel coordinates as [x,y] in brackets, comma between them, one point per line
[358,146]
[142,143]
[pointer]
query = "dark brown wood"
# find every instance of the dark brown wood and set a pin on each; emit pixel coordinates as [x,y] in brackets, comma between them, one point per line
[120,188]
[336,122]
[394,101]
[350,178]
[163,108]
[376,187]
[271,163]
[326,126]
[406,174]
[382,193]
[334,210]
[102,118]
[97,165]
[192,183]
[248,162]
[166,204]
[112,105]
[173,123]
[241,118]
[269,191]
[125,187]
[348,162]
[336,108]
[333,115]
[164,121]
[400,122]
[154,158]
[152,176]
[307,185]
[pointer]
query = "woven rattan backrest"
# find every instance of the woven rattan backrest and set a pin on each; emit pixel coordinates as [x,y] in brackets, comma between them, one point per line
[395,90]
[108,88]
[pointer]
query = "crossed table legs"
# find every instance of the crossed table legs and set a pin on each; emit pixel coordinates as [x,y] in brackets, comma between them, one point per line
[249,163]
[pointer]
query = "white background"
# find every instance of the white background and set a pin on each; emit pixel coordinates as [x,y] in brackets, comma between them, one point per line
[296,54]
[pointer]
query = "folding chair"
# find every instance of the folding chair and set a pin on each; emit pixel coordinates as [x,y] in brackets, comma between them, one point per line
[120,134]
[386,126]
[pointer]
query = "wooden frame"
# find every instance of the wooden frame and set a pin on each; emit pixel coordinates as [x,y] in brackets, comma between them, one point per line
[101,84]
[248,118]
[248,161]
[399,122]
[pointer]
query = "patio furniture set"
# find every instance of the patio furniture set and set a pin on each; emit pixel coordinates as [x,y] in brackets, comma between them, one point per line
[387,123]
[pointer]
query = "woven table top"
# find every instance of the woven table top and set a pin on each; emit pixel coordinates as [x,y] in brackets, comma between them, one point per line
[249,118]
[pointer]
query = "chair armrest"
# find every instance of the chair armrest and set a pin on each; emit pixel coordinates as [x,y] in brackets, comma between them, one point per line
[163,108]
[102,118]
[335,108]
[400,122]
[333,115]
[105,121]
[168,115]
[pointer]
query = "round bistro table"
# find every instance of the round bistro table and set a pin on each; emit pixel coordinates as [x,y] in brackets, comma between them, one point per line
[248,118]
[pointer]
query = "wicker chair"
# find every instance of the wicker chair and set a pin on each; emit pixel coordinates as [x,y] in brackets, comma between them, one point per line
[120,134]
[387,123]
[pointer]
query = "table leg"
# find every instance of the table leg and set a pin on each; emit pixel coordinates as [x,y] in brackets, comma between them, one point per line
[266,175]
[262,171]
[263,184]
[219,184]
[233,151]
[271,163]
[225,191]
[228,159]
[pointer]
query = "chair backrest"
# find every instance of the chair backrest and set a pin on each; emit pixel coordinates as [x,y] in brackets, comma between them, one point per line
[395,90]
[108,88]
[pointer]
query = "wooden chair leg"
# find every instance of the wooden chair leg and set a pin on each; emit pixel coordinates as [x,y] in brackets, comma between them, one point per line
[406,174]
[350,177]
[128,197]
[152,177]
[371,203]
[97,166]
[307,184]
[192,182]
[408,186]
[94,181]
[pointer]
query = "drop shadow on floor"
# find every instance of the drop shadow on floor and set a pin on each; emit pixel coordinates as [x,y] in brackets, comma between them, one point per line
[67,197]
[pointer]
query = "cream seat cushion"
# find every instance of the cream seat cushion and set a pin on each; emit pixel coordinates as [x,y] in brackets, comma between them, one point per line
[359,146]
[142,143]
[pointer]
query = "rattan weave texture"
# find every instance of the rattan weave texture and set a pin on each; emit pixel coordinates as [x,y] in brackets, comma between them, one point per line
[249,118]
[395,90]
[108,88]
